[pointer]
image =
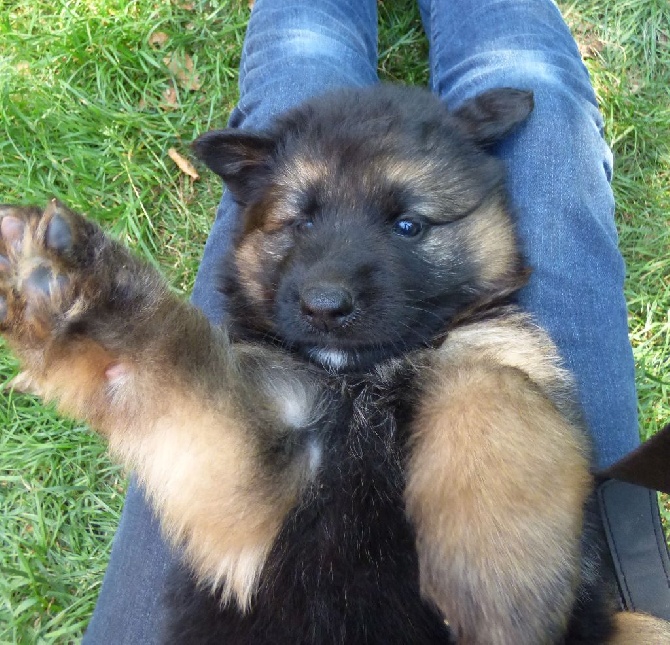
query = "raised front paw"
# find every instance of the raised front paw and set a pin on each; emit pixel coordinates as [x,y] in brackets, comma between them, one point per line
[80,311]
[44,261]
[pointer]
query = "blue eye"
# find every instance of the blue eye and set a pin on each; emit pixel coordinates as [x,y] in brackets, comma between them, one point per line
[407,227]
[303,225]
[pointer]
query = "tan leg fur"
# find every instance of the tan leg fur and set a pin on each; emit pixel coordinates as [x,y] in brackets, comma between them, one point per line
[496,483]
[640,629]
[151,381]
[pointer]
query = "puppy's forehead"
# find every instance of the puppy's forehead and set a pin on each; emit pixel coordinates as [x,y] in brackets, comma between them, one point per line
[355,162]
[303,171]
[308,182]
[358,173]
[354,152]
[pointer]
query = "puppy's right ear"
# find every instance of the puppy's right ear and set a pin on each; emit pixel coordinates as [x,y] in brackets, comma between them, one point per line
[242,159]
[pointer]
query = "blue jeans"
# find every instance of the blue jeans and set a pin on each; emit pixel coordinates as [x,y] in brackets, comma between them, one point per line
[559,172]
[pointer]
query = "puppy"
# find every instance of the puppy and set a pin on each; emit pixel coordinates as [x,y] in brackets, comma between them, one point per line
[377,446]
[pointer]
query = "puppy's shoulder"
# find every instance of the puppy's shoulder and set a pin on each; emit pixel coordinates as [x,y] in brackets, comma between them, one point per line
[507,338]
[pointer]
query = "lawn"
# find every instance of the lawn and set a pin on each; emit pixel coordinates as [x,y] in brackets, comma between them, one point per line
[93,94]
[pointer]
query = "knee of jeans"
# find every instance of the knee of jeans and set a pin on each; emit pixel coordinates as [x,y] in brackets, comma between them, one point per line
[300,29]
[298,42]
[310,43]
[536,70]
[299,55]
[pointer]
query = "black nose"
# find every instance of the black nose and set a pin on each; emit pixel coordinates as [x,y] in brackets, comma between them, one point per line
[326,306]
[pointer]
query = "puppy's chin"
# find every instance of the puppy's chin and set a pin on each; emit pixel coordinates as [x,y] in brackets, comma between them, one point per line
[336,360]
[342,360]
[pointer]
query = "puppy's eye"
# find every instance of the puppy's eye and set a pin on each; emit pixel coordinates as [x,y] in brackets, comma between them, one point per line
[407,227]
[303,225]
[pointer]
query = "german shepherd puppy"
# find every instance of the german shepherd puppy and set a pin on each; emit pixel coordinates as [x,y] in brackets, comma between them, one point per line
[378,440]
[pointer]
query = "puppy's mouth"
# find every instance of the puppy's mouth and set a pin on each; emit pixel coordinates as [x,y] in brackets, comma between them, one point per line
[353,345]
[348,359]
[333,359]
[344,329]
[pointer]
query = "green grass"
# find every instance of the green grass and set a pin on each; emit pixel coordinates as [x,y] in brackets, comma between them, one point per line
[631,73]
[88,110]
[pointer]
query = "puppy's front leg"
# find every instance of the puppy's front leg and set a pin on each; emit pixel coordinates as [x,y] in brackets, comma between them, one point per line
[212,428]
[497,480]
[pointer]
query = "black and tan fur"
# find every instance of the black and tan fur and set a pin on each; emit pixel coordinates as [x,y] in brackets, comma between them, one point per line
[378,440]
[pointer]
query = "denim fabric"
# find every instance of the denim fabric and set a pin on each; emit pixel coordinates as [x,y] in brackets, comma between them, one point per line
[559,171]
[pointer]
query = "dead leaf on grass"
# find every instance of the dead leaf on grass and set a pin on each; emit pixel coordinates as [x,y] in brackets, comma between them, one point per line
[183,164]
[170,99]
[182,68]
[158,39]
[589,45]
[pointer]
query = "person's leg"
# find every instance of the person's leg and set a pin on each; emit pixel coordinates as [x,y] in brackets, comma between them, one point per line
[559,171]
[293,49]
[559,178]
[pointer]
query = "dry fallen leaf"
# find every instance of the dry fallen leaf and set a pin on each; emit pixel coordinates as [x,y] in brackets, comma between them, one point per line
[183,71]
[184,164]
[589,45]
[170,99]
[158,39]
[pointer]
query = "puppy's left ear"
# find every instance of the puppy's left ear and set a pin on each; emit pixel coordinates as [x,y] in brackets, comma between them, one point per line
[492,115]
[242,159]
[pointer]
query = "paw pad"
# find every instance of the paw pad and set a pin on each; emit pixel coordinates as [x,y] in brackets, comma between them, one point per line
[39,272]
[59,234]
[39,281]
[12,229]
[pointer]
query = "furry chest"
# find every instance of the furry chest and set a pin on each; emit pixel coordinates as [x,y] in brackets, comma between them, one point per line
[347,550]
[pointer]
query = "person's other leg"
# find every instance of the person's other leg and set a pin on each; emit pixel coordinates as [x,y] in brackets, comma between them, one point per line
[293,49]
[559,171]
